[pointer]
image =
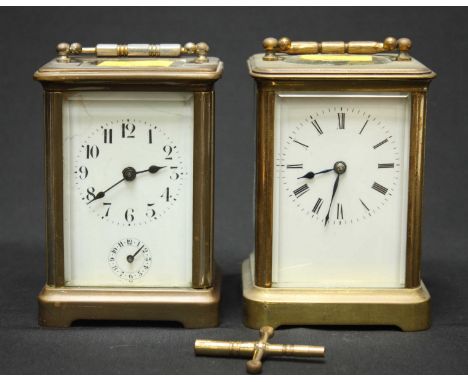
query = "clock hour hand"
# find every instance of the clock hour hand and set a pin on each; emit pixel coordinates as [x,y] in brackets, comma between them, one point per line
[130,258]
[129,174]
[151,169]
[311,174]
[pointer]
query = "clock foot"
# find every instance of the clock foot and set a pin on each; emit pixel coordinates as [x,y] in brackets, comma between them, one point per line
[193,308]
[406,308]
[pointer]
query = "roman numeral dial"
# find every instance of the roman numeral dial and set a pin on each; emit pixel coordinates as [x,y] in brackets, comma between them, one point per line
[312,145]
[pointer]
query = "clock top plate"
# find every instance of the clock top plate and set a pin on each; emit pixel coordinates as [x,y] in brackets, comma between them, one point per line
[310,66]
[160,68]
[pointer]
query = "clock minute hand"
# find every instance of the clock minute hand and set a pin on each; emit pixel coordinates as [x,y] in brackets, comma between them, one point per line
[335,187]
[311,174]
[101,194]
[340,168]
[128,173]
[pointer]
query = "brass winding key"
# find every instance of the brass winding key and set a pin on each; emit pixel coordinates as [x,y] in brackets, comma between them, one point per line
[257,350]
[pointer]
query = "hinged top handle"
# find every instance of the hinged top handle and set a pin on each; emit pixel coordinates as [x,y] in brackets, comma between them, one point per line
[65,50]
[273,46]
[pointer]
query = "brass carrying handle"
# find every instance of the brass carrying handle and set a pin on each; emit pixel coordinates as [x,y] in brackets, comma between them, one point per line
[272,46]
[65,50]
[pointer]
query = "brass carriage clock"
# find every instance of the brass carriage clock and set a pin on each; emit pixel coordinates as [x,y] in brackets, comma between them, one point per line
[129,173]
[340,146]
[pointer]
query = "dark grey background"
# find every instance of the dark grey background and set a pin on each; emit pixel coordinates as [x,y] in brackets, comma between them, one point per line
[28,39]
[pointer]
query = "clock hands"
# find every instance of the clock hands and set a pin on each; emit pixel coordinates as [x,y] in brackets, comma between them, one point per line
[340,168]
[151,169]
[311,174]
[130,258]
[335,187]
[129,174]
[101,194]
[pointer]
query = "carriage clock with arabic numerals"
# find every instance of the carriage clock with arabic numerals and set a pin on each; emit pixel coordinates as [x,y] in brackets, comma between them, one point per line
[129,177]
[339,181]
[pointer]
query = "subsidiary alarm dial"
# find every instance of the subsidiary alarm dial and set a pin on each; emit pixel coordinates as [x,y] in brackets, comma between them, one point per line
[130,259]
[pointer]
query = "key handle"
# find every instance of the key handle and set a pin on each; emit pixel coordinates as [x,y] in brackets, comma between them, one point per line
[258,350]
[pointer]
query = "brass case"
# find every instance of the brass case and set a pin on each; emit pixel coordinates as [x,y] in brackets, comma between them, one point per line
[264,304]
[195,307]
[407,308]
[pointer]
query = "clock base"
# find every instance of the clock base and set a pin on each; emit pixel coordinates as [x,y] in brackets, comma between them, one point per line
[193,308]
[407,308]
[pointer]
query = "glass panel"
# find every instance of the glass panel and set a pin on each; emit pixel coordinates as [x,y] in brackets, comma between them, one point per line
[354,236]
[129,228]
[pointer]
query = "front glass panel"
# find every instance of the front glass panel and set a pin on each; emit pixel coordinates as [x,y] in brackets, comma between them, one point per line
[345,229]
[127,169]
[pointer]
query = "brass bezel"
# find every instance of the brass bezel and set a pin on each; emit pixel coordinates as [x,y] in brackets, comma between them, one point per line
[60,305]
[260,312]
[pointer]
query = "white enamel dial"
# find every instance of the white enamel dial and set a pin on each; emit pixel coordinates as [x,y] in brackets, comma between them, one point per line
[372,163]
[145,193]
[340,193]
[128,179]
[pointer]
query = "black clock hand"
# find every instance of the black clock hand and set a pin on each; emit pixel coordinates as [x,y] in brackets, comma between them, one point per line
[101,194]
[151,169]
[335,187]
[130,258]
[311,174]
[339,168]
[129,174]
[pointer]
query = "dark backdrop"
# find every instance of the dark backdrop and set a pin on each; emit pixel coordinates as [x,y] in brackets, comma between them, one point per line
[28,38]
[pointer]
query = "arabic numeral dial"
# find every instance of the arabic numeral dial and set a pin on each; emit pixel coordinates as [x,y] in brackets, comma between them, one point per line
[129,172]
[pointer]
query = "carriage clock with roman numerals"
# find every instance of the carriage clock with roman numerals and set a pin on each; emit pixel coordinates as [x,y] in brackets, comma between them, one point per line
[339,180]
[129,175]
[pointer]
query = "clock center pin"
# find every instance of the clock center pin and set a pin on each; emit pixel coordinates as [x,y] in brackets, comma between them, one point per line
[340,167]
[129,173]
